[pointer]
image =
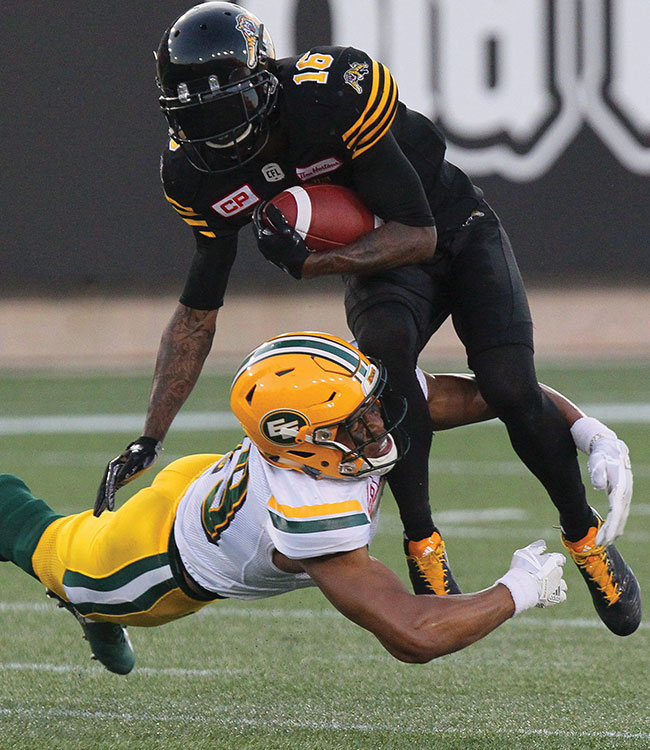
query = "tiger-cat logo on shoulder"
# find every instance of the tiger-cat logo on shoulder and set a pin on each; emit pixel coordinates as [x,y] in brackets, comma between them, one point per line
[282,426]
[356,73]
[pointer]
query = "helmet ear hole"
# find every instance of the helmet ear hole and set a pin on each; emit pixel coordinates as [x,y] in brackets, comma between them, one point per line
[249,395]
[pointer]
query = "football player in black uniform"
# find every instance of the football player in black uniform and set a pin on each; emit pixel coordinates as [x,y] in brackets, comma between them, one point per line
[245,126]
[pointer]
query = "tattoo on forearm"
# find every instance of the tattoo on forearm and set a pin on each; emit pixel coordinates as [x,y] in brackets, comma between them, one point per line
[183,349]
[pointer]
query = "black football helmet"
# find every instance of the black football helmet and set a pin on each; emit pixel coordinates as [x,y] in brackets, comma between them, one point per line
[217,89]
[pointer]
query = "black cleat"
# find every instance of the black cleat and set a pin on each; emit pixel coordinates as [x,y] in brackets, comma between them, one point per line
[611,582]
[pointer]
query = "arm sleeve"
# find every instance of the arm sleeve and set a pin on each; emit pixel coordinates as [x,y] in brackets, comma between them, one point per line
[207,279]
[310,518]
[390,186]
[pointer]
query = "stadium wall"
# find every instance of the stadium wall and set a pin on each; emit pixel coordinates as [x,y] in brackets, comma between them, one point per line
[604,325]
[545,103]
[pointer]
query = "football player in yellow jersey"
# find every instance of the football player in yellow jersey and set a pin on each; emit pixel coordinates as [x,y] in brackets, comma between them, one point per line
[245,126]
[295,504]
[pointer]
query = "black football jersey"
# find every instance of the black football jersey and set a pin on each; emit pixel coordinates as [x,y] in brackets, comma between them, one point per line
[341,121]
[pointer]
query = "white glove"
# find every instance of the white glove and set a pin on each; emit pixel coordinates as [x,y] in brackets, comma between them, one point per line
[609,469]
[535,579]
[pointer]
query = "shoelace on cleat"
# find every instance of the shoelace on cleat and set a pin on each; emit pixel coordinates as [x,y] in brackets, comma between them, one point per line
[595,562]
[432,565]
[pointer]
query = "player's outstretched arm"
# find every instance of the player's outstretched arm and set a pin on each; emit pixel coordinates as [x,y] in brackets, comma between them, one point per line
[184,346]
[421,628]
[455,400]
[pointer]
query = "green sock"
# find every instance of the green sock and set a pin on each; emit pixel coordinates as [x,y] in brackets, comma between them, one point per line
[23,519]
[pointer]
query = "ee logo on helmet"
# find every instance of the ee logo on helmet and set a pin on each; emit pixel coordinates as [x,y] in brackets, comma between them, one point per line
[282,427]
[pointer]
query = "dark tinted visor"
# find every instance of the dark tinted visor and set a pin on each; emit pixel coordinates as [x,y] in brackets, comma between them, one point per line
[214,117]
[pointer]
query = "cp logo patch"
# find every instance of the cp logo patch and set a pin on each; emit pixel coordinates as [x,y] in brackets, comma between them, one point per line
[281,427]
[239,200]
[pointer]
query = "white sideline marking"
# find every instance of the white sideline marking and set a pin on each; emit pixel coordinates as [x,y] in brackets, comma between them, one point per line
[97,669]
[216,421]
[481,515]
[270,613]
[390,525]
[98,459]
[213,421]
[237,719]
[503,468]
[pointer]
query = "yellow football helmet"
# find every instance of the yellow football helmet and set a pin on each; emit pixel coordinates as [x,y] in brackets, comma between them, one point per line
[294,392]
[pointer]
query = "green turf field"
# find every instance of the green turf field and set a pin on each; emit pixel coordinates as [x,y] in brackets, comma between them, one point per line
[290,672]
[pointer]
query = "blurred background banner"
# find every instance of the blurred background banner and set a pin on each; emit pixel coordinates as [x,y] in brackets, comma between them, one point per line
[546,103]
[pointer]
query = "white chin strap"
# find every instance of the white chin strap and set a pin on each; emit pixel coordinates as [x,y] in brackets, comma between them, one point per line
[377,466]
[230,144]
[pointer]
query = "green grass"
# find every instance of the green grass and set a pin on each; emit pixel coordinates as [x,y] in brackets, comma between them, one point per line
[289,672]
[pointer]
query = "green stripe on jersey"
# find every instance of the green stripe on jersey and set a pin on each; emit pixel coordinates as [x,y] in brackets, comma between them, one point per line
[73,579]
[143,603]
[325,524]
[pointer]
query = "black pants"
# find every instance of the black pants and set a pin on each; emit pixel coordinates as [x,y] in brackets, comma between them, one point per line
[475,279]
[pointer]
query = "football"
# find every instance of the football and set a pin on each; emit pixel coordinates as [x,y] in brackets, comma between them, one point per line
[326,216]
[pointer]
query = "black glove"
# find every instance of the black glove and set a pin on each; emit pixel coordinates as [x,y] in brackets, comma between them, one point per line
[138,457]
[280,243]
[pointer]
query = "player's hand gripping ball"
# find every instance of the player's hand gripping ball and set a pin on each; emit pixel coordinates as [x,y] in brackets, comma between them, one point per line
[309,219]
[325,216]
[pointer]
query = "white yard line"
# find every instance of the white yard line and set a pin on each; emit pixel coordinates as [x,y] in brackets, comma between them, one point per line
[628,413]
[236,718]
[438,466]
[103,423]
[96,669]
[275,613]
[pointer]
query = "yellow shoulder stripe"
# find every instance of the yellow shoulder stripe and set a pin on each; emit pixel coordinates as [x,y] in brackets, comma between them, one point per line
[311,511]
[378,115]
[181,209]
[209,234]
[369,104]
[196,222]
[387,100]
[369,140]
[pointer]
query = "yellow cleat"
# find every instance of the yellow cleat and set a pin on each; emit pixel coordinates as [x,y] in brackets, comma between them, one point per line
[428,565]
